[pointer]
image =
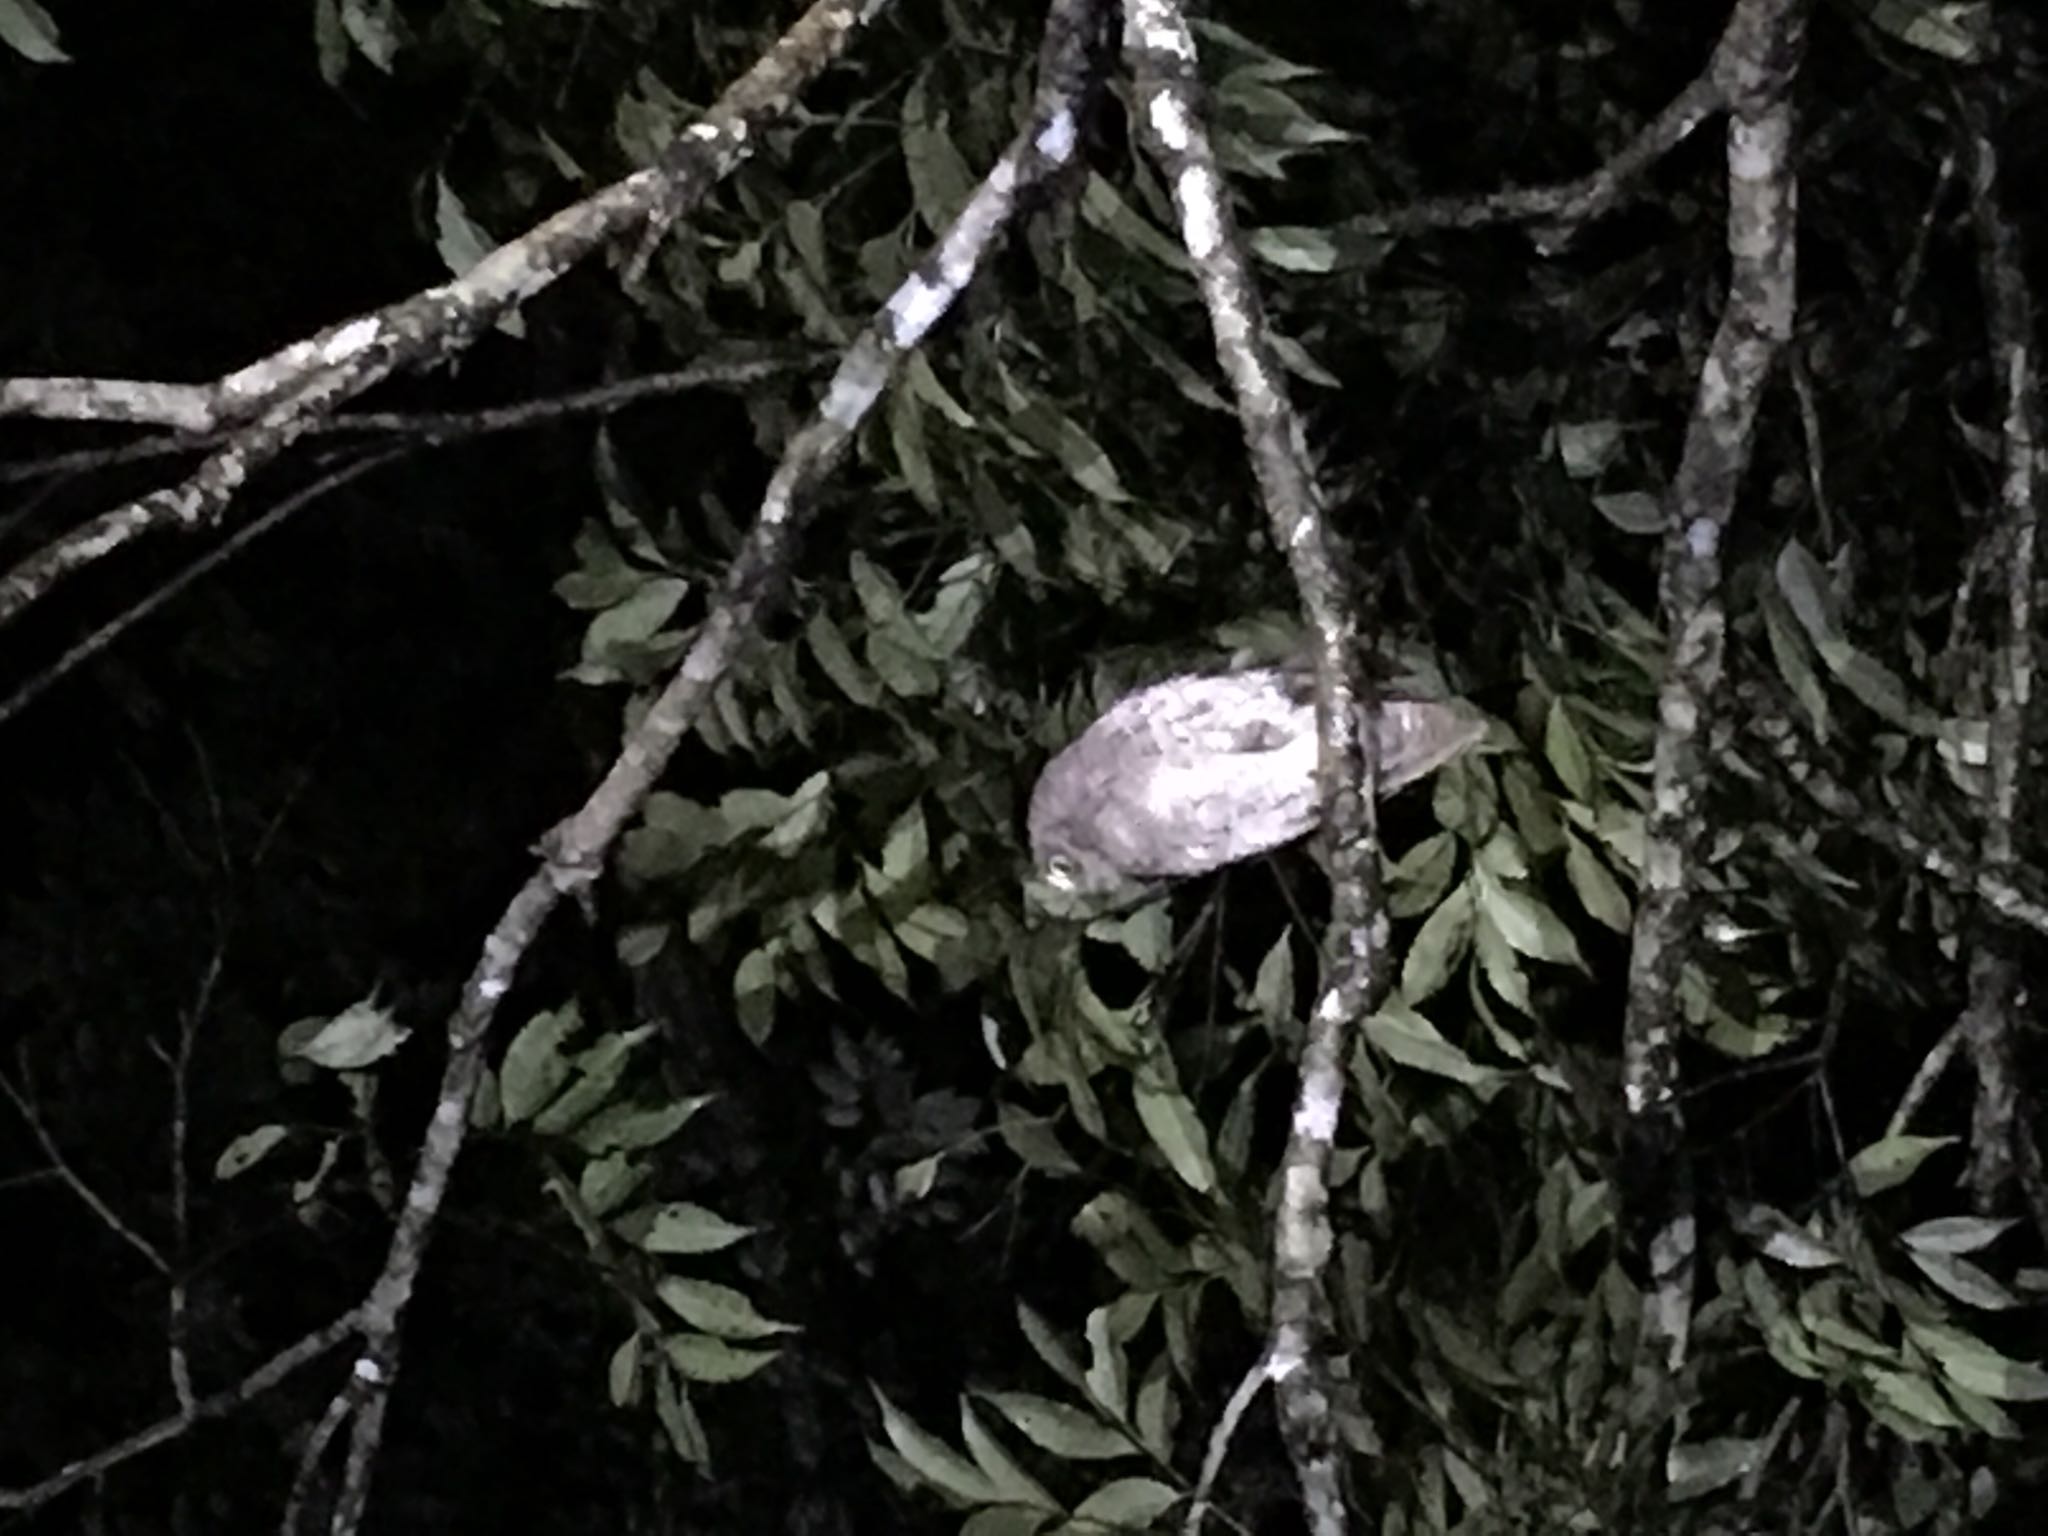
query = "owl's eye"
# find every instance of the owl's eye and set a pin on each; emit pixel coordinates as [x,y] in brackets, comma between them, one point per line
[1062,872]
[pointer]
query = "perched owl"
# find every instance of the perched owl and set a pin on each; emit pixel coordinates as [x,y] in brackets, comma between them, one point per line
[1196,772]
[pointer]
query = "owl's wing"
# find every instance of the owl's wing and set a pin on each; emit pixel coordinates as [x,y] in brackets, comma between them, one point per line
[1185,719]
[1201,815]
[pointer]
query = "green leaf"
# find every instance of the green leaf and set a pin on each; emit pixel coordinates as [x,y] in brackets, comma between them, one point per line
[1527,923]
[964,588]
[1050,1348]
[1128,1504]
[1968,1283]
[247,1150]
[1955,30]
[1533,807]
[672,1406]
[1440,946]
[535,1068]
[1890,1162]
[630,1125]
[1103,208]
[904,668]
[1416,882]
[940,181]
[881,599]
[932,1459]
[1701,1467]
[1566,750]
[1804,584]
[1047,428]
[913,1181]
[1792,653]
[1879,689]
[809,808]
[1972,1364]
[751,809]
[929,928]
[835,657]
[713,1361]
[1778,1237]
[599,1071]
[1465,1353]
[754,990]
[1637,512]
[1156,1411]
[1032,1141]
[1405,1036]
[1956,1234]
[353,1039]
[1005,1520]
[1012,1483]
[1464,799]
[1502,855]
[608,1182]
[1497,963]
[1786,1340]
[907,848]
[1273,987]
[622,1373]
[680,1227]
[1108,1370]
[1599,893]
[1915,1397]
[806,229]
[29,30]
[1177,1131]
[1063,1431]
[1587,447]
[1294,248]
[913,461]
[1982,1413]
[1146,935]
[635,621]
[717,1309]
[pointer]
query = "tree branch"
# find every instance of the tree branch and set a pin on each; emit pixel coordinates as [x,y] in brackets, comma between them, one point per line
[1759,60]
[1161,51]
[574,853]
[272,403]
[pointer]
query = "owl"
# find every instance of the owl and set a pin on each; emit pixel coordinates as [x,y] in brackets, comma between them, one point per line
[1196,772]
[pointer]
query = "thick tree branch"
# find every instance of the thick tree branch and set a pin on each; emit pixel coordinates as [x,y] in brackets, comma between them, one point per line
[1161,51]
[273,402]
[1990,1023]
[1759,61]
[439,427]
[575,852]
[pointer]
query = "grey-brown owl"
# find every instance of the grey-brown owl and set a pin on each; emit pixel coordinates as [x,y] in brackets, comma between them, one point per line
[1196,772]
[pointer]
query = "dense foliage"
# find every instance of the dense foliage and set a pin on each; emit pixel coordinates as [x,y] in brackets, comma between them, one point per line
[869,1195]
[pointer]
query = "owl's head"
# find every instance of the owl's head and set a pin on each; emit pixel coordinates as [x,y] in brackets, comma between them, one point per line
[1077,883]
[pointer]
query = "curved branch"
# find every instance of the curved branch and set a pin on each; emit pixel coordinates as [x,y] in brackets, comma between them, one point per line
[274,402]
[574,853]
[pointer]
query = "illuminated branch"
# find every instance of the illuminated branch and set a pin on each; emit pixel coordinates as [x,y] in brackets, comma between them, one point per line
[575,852]
[1161,50]
[272,403]
[1760,55]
